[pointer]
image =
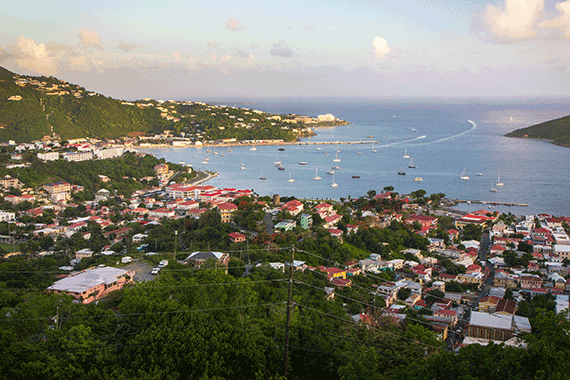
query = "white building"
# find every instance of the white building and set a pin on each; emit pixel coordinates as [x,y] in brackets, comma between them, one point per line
[78,156]
[49,156]
[103,154]
[327,117]
[7,216]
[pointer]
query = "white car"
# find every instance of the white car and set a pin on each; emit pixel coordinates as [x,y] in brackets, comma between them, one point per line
[155,271]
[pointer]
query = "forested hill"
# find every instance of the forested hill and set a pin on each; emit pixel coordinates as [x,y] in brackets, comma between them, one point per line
[557,131]
[31,106]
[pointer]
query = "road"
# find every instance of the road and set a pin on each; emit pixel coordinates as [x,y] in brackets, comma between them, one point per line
[457,335]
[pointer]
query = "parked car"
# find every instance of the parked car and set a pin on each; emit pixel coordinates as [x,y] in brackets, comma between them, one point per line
[155,271]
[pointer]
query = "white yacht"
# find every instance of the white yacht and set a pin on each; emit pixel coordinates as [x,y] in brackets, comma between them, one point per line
[418,179]
[499,183]
[316,177]
[406,154]
[333,183]
[290,179]
[336,159]
[463,175]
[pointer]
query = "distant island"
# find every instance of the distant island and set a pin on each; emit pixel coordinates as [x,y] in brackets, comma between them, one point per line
[34,108]
[556,131]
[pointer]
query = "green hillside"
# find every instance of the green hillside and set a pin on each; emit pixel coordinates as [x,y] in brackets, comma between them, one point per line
[72,111]
[557,131]
[32,107]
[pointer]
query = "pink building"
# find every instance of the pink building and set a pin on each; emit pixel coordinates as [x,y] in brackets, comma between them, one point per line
[93,284]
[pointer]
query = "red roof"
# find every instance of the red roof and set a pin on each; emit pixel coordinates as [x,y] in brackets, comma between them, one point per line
[227,206]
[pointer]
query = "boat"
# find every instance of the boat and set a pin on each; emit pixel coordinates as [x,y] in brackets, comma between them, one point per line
[336,159]
[370,137]
[318,148]
[326,154]
[336,167]
[262,176]
[418,179]
[492,189]
[406,154]
[303,163]
[499,183]
[316,177]
[411,164]
[276,162]
[359,153]
[333,183]
[463,175]
[280,167]
[230,150]
[290,179]
[330,171]
[242,167]
[205,161]
[281,148]
[479,174]
[253,148]
[401,172]
[355,175]
[208,151]
[373,149]
[223,155]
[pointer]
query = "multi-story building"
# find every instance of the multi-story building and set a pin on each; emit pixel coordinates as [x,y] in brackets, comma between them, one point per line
[7,182]
[58,191]
[78,156]
[48,156]
[103,154]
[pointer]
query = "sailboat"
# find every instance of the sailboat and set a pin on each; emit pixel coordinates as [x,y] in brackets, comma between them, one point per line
[262,176]
[411,164]
[290,179]
[492,189]
[253,148]
[463,175]
[373,149]
[316,177]
[406,154]
[355,175]
[401,172]
[336,159]
[499,183]
[276,162]
[330,171]
[333,183]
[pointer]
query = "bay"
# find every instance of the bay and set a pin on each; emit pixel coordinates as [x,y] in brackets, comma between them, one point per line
[442,136]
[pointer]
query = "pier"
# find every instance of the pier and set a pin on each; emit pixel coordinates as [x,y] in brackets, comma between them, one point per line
[493,203]
[267,143]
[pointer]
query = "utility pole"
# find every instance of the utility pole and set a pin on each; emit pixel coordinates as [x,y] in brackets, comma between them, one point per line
[175,242]
[289,298]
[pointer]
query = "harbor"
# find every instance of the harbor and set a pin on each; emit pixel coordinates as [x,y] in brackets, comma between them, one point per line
[493,203]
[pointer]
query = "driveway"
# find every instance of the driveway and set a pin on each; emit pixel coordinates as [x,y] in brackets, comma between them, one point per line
[142,271]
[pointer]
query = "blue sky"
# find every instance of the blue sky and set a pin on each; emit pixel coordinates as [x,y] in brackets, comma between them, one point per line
[288,48]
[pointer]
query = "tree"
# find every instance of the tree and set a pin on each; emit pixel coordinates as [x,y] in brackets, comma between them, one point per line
[404,293]
[434,295]
[371,193]
[388,188]
[472,232]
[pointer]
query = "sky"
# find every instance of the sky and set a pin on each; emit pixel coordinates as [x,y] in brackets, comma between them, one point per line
[190,50]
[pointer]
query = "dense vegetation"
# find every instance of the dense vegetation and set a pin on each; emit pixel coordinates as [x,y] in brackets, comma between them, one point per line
[558,131]
[123,173]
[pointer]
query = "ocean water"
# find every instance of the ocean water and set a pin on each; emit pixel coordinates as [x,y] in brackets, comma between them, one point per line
[442,137]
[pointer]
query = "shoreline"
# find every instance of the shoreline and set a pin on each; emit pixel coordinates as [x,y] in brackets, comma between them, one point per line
[236,144]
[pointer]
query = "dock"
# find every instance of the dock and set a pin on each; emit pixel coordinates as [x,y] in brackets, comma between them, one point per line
[493,203]
[238,144]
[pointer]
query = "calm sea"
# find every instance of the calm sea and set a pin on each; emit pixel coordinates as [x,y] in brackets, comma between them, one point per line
[443,138]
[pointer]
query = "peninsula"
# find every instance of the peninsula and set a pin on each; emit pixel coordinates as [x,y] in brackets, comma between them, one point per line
[557,131]
[34,108]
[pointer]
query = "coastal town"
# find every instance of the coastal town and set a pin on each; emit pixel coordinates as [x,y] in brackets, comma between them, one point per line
[464,276]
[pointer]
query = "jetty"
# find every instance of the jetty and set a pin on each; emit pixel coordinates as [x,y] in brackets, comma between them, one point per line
[492,203]
[250,144]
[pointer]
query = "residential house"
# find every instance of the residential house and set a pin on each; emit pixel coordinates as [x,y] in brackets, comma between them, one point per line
[93,284]
[236,237]
[226,211]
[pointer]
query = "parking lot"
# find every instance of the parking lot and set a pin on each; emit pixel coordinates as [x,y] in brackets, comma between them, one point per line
[142,271]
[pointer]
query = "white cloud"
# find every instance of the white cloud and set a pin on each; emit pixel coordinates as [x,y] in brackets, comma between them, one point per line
[280,49]
[558,27]
[234,25]
[89,38]
[33,57]
[379,49]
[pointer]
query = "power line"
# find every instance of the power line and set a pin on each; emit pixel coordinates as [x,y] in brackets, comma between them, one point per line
[147,313]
